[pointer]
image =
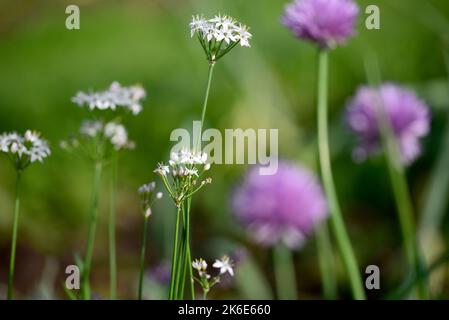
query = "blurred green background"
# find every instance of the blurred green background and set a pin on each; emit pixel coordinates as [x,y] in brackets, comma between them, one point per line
[271,85]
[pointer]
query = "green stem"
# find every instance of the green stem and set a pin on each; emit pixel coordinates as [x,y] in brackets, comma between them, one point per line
[189,256]
[181,267]
[14,238]
[326,262]
[142,257]
[206,99]
[284,270]
[399,183]
[422,275]
[111,228]
[172,293]
[339,229]
[91,232]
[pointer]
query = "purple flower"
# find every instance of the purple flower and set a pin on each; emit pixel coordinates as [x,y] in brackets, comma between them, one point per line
[284,207]
[409,117]
[325,22]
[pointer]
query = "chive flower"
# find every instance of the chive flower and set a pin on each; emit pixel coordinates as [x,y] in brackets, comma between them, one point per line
[409,117]
[280,208]
[327,23]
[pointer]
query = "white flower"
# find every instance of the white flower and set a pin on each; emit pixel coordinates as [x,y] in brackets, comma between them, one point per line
[148,197]
[115,96]
[243,35]
[147,188]
[117,135]
[29,147]
[225,265]
[197,24]
[191,172]
[220,28]
[115,132]
[91,128]
[162,169]
[199,265]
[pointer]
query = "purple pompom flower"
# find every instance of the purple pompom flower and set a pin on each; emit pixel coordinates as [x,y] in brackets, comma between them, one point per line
[409,117]
[327,23]
[284,207]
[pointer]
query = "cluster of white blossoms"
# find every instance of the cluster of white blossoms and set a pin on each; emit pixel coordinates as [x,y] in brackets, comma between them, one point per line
[114,97]
[205,280]
[25,149]
[185,169]
[148,196]
[219,34]
[115,132]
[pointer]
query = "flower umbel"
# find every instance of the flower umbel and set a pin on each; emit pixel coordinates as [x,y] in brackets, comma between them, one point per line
[327,23]
[408,115]
[94,135]
[24,150]
[284,207]
[148,197]
[114,97]
[204,279]
[219,35]
[182,176]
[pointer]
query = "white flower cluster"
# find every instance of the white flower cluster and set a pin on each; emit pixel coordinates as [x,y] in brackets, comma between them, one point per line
[148,196]
[205,280]
[219,34]
[24,149]
[185,168]
[115,132]
[112,98]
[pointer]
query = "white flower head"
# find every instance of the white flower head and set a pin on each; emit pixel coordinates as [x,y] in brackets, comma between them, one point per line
[221,29]
[147,188]
[225,265]
[148,197]
[181,176]
[115,133]
[24,149]
[114,97]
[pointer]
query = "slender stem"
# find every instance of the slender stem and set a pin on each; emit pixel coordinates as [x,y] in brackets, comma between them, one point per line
[206,99]
[399,183]
[423,274]
[326,262]
[181,267]
[338,226]
[142,257]
[92,229]
[189,256]
[172,294]
[14,238]
[183,260]
[111,228]
[284,270]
